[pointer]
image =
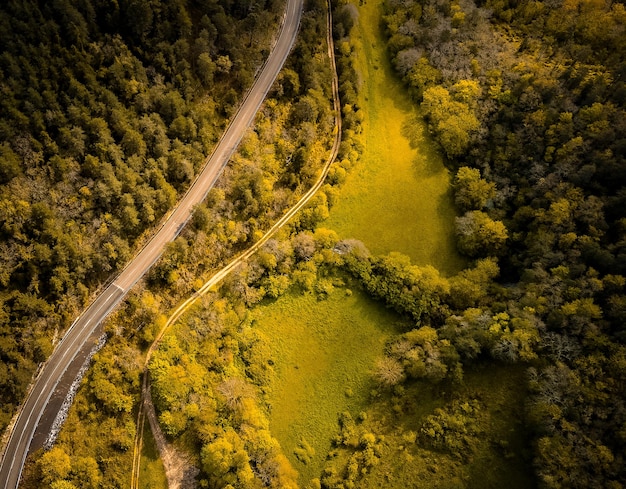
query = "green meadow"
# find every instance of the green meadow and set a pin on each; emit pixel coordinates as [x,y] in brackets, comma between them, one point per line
[324,352]
[398,197]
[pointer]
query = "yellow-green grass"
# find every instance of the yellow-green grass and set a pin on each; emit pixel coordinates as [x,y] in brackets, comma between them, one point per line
[151,470]
[324,352]
[398,197]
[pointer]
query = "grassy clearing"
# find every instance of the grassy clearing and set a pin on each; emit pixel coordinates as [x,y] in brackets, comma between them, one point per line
[324,352]
[151,471]
[398,197]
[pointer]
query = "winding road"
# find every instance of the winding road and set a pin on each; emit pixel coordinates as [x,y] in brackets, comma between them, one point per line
[77,337]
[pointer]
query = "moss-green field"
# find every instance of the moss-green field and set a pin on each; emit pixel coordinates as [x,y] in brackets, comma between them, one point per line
[323,352]
[398,197]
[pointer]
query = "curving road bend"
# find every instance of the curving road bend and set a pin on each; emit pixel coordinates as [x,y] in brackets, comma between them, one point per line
[83,328]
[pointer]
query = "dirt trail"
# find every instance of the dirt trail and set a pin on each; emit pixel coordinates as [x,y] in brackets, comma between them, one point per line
[179,469]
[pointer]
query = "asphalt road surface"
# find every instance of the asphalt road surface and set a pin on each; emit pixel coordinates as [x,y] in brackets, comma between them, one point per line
[75,340]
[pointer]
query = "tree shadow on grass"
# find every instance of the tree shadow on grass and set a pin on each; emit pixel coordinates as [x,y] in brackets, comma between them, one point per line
[428,161]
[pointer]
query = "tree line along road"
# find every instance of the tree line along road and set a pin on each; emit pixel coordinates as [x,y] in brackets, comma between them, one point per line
[33,414]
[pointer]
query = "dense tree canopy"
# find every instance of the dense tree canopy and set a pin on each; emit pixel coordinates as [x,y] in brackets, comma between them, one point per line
[108,110]
[528,102]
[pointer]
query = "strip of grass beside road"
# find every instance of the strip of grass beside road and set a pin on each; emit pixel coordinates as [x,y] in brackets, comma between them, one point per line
[398,197]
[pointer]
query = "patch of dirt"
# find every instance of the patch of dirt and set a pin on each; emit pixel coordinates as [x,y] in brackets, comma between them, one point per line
[179,470]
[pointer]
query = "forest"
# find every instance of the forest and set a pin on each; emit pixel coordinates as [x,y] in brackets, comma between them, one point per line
[107,114]
[527,100]
[104,124]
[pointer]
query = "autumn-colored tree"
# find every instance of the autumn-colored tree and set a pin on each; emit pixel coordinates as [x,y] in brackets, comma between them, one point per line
[479,235]
[55,464]
[453,120]
[471,192]
[226,461]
